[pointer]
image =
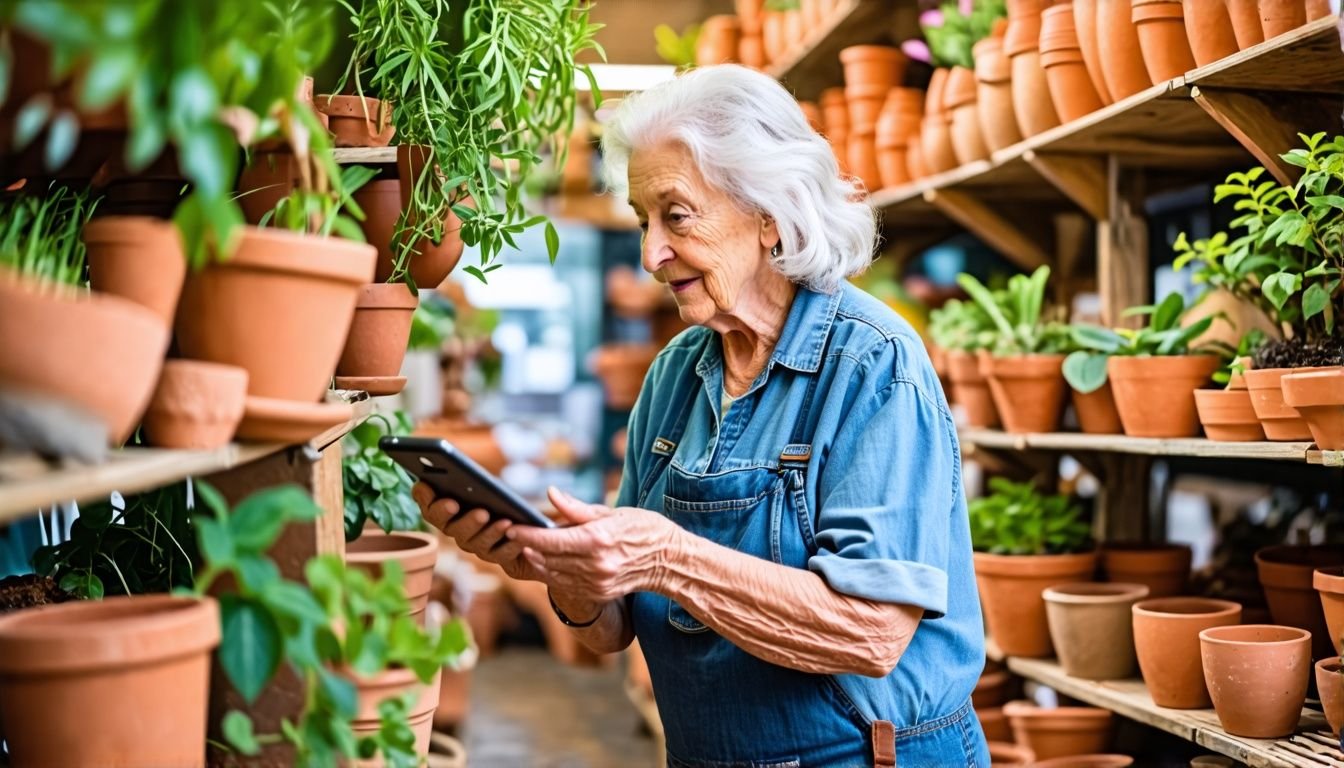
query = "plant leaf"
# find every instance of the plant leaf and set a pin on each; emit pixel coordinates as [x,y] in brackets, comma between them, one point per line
[237,729]
[249,649]
[1085,371]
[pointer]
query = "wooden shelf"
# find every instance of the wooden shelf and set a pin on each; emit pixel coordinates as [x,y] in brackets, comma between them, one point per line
[1195,447]
[365,155]
[1129,698]
[814,64]
[28,483]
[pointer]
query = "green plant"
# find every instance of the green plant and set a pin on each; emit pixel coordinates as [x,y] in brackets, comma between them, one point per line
[1015,519]
[376,486]
[1249,342]
[961,325]
[431,324]
[677,50]
[1022,323]
[40,234]
[325,211]
[1164,335]
[951,34]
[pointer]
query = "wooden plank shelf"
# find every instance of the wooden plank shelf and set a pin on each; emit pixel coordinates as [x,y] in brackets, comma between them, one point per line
[365,155]
[814,63]
[1308,748]
[1194,447]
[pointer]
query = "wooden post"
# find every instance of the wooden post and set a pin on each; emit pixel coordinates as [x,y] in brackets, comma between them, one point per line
[1122,506]
[1122,246]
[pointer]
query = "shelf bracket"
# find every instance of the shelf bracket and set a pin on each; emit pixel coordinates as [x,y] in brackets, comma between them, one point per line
[1080,178]
[1266,123]
[992,228]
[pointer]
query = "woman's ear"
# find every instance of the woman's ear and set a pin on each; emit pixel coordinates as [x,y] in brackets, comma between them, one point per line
[769,233]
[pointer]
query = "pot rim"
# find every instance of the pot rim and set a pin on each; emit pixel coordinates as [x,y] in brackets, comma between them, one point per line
[1330,665]
[1152,607]
[1007,565]
[103,229]
[1296,387]
[331,258]
[421,546]
[1210,635]
[1094,593]
[386,296]
[1271,378]
[1027,709]
[1329,579]
[1272,555]
[858,53]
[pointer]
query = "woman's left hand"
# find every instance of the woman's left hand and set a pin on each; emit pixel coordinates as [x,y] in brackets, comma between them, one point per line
[605,554]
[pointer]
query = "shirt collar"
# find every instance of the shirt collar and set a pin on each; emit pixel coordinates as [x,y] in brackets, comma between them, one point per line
[802,341]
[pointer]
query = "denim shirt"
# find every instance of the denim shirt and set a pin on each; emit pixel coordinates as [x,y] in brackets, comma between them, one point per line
[883,482]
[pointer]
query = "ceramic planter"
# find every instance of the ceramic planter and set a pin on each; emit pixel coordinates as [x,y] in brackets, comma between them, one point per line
[1209,29]
[1257,677]
[1010,591]
[1246,26]
[1329,583]
[1071,89]
[862,157]
[357,121]
[772,35]
[795,29]
[1156,395]
[196,406]
[1162,38]
[1162,568]
[1228,416]
[1122,64]
[433,261]
[994,724]
[878,67]
[376,344]
[1166,639]
[113,682]
[1318,396]
[717,42]
[936,148]
[1028,391]
[137,258]
[1086,761]
[1096,411]
[1061,731]
[750,15]
[970,389]
[416,553]
[1330,685]
[893,166]
[865,107]
[1280,16]
[1031,93]
[994,95]
[834,113]
[1286,575]
[968,142]
[622,367]
[1090,627]
[1279,420]
[395,682]
[1085,21]
[1003,754]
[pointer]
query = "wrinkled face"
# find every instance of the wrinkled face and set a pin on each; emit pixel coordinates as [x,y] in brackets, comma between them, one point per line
[696,238]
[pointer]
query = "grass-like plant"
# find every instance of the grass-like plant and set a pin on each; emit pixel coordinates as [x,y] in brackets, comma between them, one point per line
[1016,519]
[1022,322]
[40,234]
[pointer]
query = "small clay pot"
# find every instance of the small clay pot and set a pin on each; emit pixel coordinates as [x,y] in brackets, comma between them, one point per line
[1280,16]
[1028,391]
[1087,761]
[970,389]
[1246,26]
[1085,21]
[1032,105]
[750,15]
[1096,411]
[834,112]
[1228,416]
[1156,395]
[1286,574]
[432,262]
[862,157]
[937,151]
[1257,676]
[718,40]
[751,50]
[795,29]
[900,116]
[1210,30]
[1010,593]
[416,553]
[1279,420]
[1162,38]
[1090,627]
[357,121]
[1118,46]
[379,332]
[1318,396]
[994,724]
[772,36]
[994,95]
[1330,685]
[1061,731]
[968,141]
[393,683]
[864,109]
[893,166]
[1003,754]
[1070,84]
[875,66]
[1162,568]
[196,406]
[137,258]
[992,689]
[1166,639]
[1329,583]
[914,159]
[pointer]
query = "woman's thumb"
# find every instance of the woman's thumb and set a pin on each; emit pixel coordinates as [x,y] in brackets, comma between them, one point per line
[571,509]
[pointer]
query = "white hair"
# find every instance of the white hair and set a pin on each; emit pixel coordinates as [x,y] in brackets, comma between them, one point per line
[750,139]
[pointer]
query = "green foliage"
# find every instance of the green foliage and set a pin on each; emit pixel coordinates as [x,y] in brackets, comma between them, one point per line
[961,325]
[1015,519]
[376,486]
[40,234]
[431,325]
[951,41]
[677,50]
[1247,345]
[1085,369]
[1021,321]
[332,211]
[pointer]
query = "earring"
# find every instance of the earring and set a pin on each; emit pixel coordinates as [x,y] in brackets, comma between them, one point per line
[774,251]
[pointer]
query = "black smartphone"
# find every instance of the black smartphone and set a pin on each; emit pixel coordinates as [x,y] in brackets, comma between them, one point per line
[452,474]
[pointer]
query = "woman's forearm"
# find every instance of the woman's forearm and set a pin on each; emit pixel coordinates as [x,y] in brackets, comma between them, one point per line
[787,616]
[611,632]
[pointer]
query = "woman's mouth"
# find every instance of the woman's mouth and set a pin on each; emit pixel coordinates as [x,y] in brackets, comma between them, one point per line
[680,285]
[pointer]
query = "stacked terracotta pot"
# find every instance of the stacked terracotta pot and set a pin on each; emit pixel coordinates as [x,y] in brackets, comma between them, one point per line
[898,123]
[994,94]
[835,124]
[1072,90]
[1163,39]
[1031,94]
[871,72]
[936,153]
[719,40]
[960,104]
[750,25]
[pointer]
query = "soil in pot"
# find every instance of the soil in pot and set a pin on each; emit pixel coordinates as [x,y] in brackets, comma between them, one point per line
[1162,38]
[1118,46]
[395,682]
[970,389]
[1209,29]
[122,681]
[1003,754]
[1085,21]
[1286,573]
[1156,395]
[357,121]
[1166,639]
[1330,685]
[1071,88]
[416,552]
[1028,391]
[1279,420]
[1280,16]
[1096,411]
[1329,583]
[874,66]
[1010,591]
[1228,416]
[1162,568]
[994,95]
[379,331]
[1061,731]
[196,405]
[1318,397]
[1257,677]
[137,258]
[1090,628]
[30,591]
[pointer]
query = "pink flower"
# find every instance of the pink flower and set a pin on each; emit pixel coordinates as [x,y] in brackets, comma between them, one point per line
[917,50]
[933,18]
[967,7]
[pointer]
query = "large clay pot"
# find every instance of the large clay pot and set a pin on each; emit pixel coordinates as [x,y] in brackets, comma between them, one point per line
[1280,16]
[1227,415]
[1090,627]
[862,157]
[391,683]
[876,67]
[1318,396]
[196,406]
[1070,84]
[1156,395]
[137,258]
[994,95]
[432,261]
[1279,420]
[415,552]
[1010,593]
[121,681]
[970,389]
[1330,686]
[1118,43]
[1085,21]
[1061,731]
[1286,574]
[718,40]
[1162,568]
[379,331]
[267,178]
[994,724]
[101,354]
[1162,38]
[1021,44]
[1166,638]
[1210,30]
[1246,26]
[968,142]
[357,121]
[1096,411]
[1004,754]
[1329,583]
[1028,391]
[280,308]
[1257,676]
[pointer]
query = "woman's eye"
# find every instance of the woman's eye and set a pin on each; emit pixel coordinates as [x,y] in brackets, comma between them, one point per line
[677,218]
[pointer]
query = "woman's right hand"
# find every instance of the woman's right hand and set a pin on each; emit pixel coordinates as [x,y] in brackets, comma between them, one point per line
[474,533]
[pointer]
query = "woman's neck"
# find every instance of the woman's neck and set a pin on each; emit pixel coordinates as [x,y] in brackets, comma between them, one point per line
[750,331]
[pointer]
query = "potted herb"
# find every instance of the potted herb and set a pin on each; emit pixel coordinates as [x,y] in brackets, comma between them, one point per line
[1227,414]
[1024,542]
[960,329]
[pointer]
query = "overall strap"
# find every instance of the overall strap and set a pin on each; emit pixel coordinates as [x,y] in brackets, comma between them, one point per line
[666,444]
[799,450]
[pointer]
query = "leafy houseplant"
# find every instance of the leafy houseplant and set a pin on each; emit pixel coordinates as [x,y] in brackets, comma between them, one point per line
[376,487]
[960,329]
[953,29]
[1016,519]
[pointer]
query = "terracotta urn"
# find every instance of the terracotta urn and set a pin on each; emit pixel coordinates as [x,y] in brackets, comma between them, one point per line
[718,40]
[1286,573]
[1156,395]
[1318,396]
[1257,677]
[1329,583]
[1280,16]
[1096,411]
[1209,29]
[1228,416]
[862,157]
[1279,420]
[876,67]
[1330,686]
[414,551]
[968,141]
[137,258]
[994,95]
[196,406]
[936,148]
[1162,38]
[1010,592]
[1028,391]
[1032,105]
[1162,568]
[1071,89]
[1118,46]
[1090,627]
[1085,20]
[970,389]
[1166,639]
[1059,731]
[357,121]
[1246,26]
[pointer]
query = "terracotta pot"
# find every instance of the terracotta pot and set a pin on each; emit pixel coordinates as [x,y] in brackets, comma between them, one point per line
[718,40]
[127,675]
[1162,38]
[772,35]
[994,724]
[379,332]
[1032,106]
[893,167]
[280,308]
[813,13]
[968,142]
[1318,396]
[1329,583]
[1210,30]
[196,405]
[751,50]
[1257,677]
[416,553]
[1010,591]
[750,15]
[110,351]
[1028,391]
[1087,761]
[880,67]
[1227,415]
[1118,44]
[900,117]
[1085,20]
[1330,685]
[1061,731]
[794,30]
[864,109]
[1280,16]
[1162,568]
[372,691]
[1003,754]
[357,121]
[938,153]
[137,258]
[1070,85]
[622,368]
[268,178]
[914,159]
[970,389]
[1279,420]
[992,689]
[1166,638]
[432,262]
[834,112]
[1245,18]
[1317,9]
[1156,395]
[862,157]
[1286,574]
[812,113]
[994,95]
[1090,628]
[937,91]
[1096,411]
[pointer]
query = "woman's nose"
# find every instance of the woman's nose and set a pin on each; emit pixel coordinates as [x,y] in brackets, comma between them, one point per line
[656,249]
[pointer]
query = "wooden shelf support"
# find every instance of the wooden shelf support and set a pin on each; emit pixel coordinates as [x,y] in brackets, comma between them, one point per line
[1081,178]
[985,223]
[1267,123]
[1122,245]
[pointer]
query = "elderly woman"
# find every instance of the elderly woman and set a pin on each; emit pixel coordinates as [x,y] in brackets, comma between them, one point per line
[790,543]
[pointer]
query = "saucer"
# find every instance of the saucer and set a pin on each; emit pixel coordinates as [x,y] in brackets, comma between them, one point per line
[267,419]
[374,385]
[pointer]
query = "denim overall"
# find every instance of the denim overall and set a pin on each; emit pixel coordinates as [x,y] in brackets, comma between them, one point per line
[721,705]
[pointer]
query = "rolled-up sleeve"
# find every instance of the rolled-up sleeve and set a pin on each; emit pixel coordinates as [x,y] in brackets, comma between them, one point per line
[887,492]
